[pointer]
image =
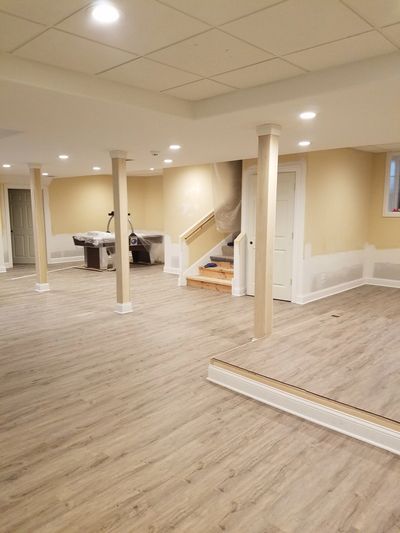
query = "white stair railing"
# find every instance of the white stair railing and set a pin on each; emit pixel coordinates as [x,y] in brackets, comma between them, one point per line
[239,265]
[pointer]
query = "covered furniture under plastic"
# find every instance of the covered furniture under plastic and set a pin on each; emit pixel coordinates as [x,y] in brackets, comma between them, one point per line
[99,248]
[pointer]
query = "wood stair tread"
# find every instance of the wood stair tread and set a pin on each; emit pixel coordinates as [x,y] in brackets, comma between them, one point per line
[207,279]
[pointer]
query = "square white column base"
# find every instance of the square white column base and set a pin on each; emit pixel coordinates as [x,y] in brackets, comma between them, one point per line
[3,268]
[124,308]
[42,287]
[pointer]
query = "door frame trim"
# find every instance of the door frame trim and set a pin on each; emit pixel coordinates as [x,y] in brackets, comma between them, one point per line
[7,187]
[299,168]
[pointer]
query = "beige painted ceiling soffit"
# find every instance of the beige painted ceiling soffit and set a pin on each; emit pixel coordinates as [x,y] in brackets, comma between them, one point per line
[375,70]
[27,72]
[368,71]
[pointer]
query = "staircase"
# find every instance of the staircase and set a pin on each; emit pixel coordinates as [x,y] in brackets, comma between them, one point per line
[218,277]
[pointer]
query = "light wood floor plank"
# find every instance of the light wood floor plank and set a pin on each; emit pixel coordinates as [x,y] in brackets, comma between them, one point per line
[108,423]
[346,347]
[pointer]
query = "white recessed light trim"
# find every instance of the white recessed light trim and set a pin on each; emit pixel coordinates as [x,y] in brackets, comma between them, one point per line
[168,161]
[96,168]
[304,143]
[63,156]
[6,165]
[151,168]
[175,146]
[45,173]
[105,13]
[307,115]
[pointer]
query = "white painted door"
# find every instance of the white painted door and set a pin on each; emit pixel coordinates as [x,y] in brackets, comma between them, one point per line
[23,248]
[282,288]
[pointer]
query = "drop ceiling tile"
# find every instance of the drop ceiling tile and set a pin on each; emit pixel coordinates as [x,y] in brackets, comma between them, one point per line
[345,51]
[393,32]
[199,90]
[45,11]
[144,26]
[210,53]
[70,52]
[298,24]
[265,72]
[149,75]
[379,12]
[15,31]
[217,12]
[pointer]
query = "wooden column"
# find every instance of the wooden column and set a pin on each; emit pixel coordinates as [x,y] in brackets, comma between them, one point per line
[2,262]
[120,188]
[39,229]
[267,178]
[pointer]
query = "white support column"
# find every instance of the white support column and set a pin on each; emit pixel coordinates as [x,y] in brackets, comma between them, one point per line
[39,229]
[120,188]
[267,178]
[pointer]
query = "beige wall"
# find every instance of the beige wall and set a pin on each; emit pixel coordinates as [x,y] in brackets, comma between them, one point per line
[204,241]
[187,197]
[344,198]
[384,232]
[338,188]
[82,203]
[154,202]
[146,202]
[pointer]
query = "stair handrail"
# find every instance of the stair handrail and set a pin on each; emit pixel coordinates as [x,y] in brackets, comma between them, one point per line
[184,239]
[198,226]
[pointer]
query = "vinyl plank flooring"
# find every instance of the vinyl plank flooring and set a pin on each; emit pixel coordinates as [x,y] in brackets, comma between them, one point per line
[346,347]
[107,422]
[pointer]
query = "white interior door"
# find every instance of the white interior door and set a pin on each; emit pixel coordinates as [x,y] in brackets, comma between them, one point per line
[23,247]
[283,253]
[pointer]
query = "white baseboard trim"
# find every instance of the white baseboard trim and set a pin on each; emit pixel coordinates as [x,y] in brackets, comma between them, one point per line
[70,259]
[123,309]
[238,291]
[336,289]
[382,282]
[171,270]
[42,287]
[329,291]
[336,420]
[3,268]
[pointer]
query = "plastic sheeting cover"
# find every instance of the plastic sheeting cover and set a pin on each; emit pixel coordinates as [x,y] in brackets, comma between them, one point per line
[227,195]
[96,238]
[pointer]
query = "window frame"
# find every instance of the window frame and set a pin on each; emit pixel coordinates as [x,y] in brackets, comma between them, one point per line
[386,212]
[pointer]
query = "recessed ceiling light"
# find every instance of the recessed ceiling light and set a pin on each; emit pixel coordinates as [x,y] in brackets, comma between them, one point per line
[308,115]
[96,168]
[304,143]
[105,13]
[152,168]
[168,161]
[63,156]
[6,165]
[175,147]
[45,173]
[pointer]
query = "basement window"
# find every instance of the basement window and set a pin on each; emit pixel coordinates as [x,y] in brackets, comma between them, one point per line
[391,206]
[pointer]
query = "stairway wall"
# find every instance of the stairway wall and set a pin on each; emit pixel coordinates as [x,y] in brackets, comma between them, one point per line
[205,240]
